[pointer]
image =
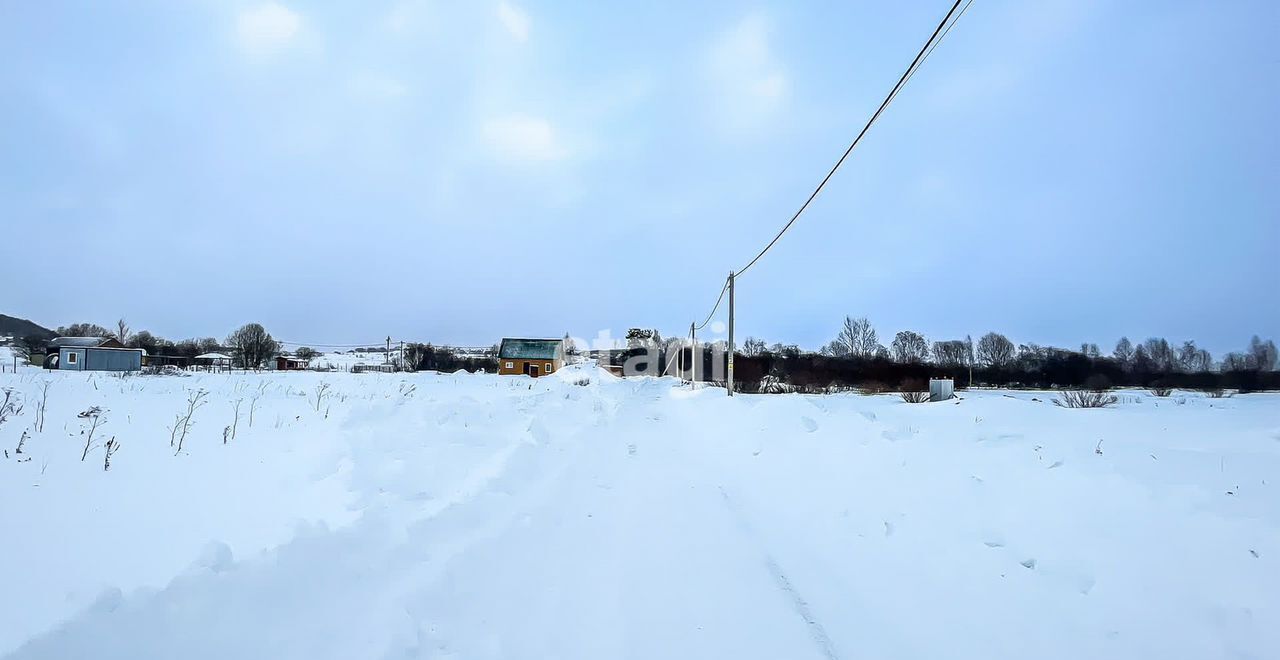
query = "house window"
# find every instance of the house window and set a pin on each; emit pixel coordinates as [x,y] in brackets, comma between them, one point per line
[510,366]
[548,369]
[71,358]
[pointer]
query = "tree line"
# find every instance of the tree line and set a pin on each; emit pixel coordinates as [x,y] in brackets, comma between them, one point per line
[857,357]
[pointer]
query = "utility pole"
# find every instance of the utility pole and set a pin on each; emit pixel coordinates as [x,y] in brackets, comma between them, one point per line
[402,366]
[730,383]
[693,357]
[386,357]
[679,361]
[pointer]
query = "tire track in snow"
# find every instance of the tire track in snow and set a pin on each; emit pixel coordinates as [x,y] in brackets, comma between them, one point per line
[816,631]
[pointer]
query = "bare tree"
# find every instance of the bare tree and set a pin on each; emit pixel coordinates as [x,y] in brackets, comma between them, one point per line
[909,347]
[952,353]
[1090,351]
[753,347]
[1192,359]
[995,350]
[1262,354]
[1204,360]
[1160,354]
[1124,352]
[848,337]
[253,345]
[122,333]
[571,351]
[1235,362]
[836,348]
[857,338]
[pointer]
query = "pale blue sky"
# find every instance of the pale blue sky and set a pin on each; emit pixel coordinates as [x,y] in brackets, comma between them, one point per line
[459,171]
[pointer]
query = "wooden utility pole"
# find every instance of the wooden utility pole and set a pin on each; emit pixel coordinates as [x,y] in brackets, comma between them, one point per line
[730,383]
[693,357]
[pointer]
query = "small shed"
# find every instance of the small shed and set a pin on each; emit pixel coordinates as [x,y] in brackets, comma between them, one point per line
[290,363]
[92,354]
[941,389]
[532,357]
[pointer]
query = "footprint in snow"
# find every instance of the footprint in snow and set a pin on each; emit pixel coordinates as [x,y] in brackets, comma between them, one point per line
[888,528]
[1028,563]
[809,424]
[1055,464]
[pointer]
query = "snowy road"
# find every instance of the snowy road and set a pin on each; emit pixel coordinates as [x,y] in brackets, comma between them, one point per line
[495,518]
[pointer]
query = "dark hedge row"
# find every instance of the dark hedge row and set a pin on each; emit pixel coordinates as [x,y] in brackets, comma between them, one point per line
[1064,369]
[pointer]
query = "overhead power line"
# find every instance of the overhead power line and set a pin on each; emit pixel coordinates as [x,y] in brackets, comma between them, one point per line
[715,307]
[931,48]
[926,50]
[906,75]
[324,345]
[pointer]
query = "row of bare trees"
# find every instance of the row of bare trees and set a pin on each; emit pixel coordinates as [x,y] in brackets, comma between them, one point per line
[858,357]
[858,339]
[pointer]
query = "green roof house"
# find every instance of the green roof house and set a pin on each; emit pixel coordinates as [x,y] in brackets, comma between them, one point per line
[531,357]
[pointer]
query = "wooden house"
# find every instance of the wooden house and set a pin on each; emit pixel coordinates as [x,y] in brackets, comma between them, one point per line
[531,357]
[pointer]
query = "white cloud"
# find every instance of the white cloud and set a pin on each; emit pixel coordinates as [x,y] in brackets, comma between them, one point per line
[267,27]
[746,78]
[515,20]
[523,138]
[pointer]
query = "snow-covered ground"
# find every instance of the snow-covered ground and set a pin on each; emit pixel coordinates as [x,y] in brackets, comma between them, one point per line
[477,516]
[344,361]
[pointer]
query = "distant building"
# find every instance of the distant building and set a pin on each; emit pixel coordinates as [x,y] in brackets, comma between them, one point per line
[290,363]
[92,354]
[532,357]
[179,361]
[213,362]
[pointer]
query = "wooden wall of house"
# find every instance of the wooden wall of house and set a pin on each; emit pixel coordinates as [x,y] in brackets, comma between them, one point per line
[517,366]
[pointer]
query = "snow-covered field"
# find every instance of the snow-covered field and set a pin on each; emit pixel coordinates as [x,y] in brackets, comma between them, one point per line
[345,361]
[476,516]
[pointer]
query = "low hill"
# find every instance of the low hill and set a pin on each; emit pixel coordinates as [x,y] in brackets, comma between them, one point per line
[16,327]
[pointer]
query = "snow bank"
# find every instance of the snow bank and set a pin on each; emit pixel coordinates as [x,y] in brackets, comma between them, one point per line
[427,515]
